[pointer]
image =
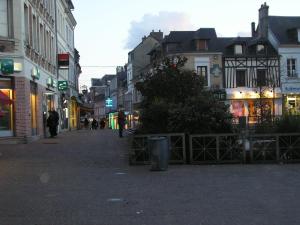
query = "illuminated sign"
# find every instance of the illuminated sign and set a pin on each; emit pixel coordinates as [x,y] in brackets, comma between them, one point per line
[109,102]
[62,85]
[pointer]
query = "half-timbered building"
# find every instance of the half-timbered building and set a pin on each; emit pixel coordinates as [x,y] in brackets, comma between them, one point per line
[251,78]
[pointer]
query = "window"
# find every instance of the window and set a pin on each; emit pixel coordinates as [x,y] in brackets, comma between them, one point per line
[238,49]
[26,22]
[260,49]
[261,77]
[172,47]
[201,45]
[291,68]
[202,71]
[4,18]
[241,78]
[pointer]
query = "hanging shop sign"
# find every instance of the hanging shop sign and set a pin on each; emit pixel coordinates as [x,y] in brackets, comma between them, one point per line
[35,73]
[62,85]
[51,82]
[108,102]
[63,60]
[7,66]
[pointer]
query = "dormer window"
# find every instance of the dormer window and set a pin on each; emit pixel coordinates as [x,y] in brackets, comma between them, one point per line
[260,49]
[238,49]
[171,47]
[201,45]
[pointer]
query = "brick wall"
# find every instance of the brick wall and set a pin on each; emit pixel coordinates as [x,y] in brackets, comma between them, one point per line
[22,107]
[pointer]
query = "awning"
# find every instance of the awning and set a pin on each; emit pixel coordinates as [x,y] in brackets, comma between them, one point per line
[5,99]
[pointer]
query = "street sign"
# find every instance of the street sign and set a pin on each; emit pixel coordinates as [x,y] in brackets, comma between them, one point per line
[62,85]
[109,102]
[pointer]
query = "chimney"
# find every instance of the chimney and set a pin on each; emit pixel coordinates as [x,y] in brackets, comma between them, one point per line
[144,38]
[263,20]
[253,34]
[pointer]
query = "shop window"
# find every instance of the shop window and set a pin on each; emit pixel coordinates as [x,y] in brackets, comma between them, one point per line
[202,71]
[241,78]
[6,108]
[291,68]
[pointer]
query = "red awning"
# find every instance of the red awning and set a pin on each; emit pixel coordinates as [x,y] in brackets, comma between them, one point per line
[5,99]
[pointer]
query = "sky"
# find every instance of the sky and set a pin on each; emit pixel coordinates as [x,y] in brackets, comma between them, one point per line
[107,30]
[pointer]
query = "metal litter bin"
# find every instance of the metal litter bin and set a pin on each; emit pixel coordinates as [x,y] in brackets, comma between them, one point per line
[159,153]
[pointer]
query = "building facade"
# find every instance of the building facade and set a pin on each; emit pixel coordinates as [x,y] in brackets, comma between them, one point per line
[28,57]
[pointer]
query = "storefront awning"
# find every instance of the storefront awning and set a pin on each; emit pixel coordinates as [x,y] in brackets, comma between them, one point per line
[5,99]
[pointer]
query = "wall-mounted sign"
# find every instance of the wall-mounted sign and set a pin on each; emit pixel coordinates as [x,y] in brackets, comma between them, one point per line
[7,66]
[108,102]
[62,85]
[35,73]
[63,60]
[289,88]
[220,95]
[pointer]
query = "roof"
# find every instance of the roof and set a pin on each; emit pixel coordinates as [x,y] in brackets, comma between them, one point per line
[284,28]
[179,36]
[205,33]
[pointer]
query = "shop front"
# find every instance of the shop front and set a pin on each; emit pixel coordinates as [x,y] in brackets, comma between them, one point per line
[291,98]
[113,120]
[250,105]
[6,107]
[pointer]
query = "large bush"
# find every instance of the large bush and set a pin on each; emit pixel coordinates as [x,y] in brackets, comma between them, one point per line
[175,100]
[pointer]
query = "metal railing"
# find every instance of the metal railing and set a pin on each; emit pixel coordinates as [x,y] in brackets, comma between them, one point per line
[253,148]
[139,152]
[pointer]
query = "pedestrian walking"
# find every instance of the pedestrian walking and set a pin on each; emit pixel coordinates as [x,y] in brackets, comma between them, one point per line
[86,123]
[102,123]
[121,122]
[94,124]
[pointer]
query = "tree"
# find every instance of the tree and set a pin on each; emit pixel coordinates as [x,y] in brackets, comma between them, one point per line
[175,100]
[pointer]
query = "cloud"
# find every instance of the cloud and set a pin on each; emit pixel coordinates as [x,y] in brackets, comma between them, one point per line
[164,21]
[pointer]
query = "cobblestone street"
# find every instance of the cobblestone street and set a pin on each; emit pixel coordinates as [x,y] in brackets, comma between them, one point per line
[83,178]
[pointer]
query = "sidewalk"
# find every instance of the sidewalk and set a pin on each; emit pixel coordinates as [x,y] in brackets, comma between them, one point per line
[83,178]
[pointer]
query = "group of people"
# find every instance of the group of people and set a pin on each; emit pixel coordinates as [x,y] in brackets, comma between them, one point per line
[95,124]
[53,119]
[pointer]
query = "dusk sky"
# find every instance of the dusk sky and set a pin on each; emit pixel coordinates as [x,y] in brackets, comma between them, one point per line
[107,30]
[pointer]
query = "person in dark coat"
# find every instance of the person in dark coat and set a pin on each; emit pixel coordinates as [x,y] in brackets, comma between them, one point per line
[86,123]
[121,122]
[102,123]
[56,120]
[51,123]
[94,124]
